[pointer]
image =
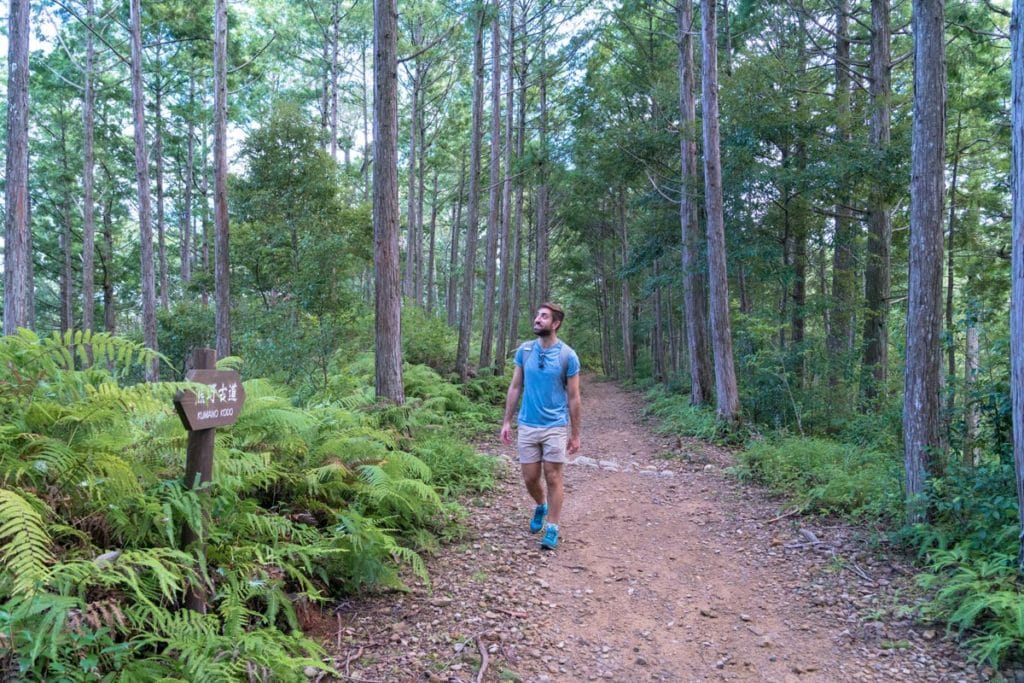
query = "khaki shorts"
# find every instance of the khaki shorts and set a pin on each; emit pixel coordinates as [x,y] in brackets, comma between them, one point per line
[545,444]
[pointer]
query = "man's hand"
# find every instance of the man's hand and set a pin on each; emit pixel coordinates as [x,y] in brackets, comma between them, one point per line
[506,433]
[574,444]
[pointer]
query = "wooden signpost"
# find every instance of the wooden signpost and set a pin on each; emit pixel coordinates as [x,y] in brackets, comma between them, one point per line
[219,405]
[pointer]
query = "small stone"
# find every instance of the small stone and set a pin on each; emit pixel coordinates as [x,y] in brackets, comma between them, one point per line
[744,617]
[311,671]
[708,612]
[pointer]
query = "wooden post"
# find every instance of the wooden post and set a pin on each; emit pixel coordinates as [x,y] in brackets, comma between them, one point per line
[198,470]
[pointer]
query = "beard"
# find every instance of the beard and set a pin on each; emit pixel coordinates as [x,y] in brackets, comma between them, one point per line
[542,331]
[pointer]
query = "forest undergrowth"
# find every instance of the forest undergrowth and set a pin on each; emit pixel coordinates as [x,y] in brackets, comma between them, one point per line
[310,501]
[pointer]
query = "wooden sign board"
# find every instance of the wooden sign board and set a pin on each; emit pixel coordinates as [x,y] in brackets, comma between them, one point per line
[218,406]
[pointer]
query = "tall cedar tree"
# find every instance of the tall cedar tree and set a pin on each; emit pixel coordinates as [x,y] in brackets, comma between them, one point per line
[875,363]
[88,174]
[17,240]
[388,325]
[142,179]
[1017,291]
[221,251]
[694,281]
[494,196]
[922,406]
[726,394]
[473,226]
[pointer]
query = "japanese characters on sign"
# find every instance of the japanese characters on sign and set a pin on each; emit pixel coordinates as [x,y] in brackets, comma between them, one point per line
[218,405]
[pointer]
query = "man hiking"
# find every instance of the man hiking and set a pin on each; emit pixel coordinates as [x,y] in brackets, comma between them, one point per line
[547,377]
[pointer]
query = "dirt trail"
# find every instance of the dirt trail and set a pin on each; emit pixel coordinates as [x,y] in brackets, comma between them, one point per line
[668,570]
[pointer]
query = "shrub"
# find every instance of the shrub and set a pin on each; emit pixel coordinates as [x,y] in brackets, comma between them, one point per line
[826,476]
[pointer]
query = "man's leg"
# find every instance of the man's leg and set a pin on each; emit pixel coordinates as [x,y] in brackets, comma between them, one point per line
[556,492]
[531,477]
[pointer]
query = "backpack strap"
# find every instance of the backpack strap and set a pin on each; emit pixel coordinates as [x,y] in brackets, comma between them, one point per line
[563,360]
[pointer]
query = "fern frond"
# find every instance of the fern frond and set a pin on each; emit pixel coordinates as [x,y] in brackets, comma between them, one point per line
[26,552]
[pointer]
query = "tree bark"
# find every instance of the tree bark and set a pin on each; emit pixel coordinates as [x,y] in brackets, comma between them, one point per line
[388,326]
[451,299]
[494,197]
[186,220]
[17,238]
[88,175]
[431,268]
[726,394]
[142,179]
[107,258]
[628,356]
[222,262]
[947,417]
[694,280]
[922,419]
[505,281]
[1017,260]
[875,368]
[541,288]
[972,452]
[158,160]
[840,336]
[410,216]
[469,269]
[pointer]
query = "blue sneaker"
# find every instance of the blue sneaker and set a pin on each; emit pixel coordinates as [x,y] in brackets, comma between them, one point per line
[538,518]
[550,539]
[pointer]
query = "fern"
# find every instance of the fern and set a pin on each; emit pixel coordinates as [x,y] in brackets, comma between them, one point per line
[26,544]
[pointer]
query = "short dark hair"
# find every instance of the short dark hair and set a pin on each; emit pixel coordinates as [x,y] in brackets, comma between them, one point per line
[557,314]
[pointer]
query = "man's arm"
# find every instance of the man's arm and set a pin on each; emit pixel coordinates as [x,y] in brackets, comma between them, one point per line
[575,410]
[515,390]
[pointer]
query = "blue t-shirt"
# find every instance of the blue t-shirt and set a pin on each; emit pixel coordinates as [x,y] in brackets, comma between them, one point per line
[545,401]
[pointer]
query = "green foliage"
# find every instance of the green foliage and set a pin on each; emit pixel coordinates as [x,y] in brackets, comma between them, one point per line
[427,340]
[978,596]
[825,476]
[679,417]
[306,503]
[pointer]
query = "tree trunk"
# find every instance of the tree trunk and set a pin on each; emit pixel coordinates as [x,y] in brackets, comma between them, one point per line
[726,393]
[420,195]
[504,295]
[469,268]
[694,281]
[922,419]
[335,39]
[67,273]
[876,271]
[541,292]
[142,179]
[517,229]
[840,336]
[431,268]
[388,327]
[451,299]
[107,258]
[1017,267]
[972,452]
[628,356]
[17,238]
[950,329]
[186,220]
[494,197]
[88,176]
[222,262]
[658,333]
[205,220]
[410,215]
[158,159]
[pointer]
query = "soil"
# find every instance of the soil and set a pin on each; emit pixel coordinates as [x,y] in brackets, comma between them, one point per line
[668,570]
